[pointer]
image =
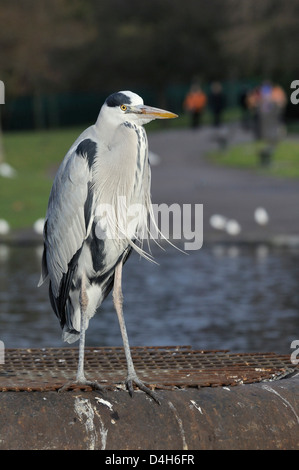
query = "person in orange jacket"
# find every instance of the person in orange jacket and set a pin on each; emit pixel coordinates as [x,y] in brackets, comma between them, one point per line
[194,104]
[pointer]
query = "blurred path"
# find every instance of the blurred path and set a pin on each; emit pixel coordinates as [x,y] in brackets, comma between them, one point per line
[185,175]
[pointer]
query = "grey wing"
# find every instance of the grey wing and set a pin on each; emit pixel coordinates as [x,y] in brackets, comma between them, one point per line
[68,222]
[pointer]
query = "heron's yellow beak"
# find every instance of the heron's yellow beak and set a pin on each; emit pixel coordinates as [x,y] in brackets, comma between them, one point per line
[154,113]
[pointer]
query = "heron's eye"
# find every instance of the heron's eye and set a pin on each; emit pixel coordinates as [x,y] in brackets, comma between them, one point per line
[123,107]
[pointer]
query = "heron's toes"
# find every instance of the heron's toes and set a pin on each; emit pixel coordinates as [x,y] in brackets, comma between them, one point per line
[81,384]
[94,385]
[135,379]
[129,385]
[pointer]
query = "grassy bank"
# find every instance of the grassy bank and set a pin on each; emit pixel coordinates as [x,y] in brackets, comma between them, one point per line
[284,162]
[35,157]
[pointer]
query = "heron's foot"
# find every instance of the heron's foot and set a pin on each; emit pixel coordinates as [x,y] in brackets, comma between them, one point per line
[81,383]
[133,378]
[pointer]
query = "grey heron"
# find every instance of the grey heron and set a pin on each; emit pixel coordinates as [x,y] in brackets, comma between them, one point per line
[108,163]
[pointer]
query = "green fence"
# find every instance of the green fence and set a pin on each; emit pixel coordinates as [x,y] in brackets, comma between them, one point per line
[82,108]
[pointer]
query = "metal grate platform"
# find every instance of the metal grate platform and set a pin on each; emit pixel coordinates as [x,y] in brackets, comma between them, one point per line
[161,367]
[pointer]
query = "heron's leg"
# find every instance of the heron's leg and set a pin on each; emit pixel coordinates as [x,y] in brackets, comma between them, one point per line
[83,299]
[118,304]
[80,379]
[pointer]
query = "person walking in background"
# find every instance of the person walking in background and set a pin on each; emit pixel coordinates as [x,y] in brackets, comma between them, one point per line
[279,97]
[217,102]
[253,102]
[244,106]
[194,104]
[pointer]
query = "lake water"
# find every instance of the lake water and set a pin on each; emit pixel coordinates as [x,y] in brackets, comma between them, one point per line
[240,298]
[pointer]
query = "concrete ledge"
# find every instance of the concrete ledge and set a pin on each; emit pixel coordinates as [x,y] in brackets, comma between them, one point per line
[254,416]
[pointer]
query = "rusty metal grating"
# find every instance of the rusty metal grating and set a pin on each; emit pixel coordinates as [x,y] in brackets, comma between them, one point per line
[161,367]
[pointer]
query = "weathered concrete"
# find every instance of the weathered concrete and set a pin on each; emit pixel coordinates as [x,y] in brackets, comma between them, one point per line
[255,416]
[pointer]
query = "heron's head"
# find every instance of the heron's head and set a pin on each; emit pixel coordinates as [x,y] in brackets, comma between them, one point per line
[126,106]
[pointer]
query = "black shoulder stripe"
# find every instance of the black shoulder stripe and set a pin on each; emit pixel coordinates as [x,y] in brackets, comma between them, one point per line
[87,149]
[96,246]
[88,205]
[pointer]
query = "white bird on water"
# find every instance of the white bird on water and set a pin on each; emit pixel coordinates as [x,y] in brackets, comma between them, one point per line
[4,227]
[38,226]
[108,163]
[261,216]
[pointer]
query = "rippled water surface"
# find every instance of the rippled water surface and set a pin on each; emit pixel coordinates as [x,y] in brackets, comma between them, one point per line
[220,297]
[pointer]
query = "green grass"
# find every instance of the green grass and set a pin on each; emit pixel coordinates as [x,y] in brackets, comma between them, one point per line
[284,163]
[35,156]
